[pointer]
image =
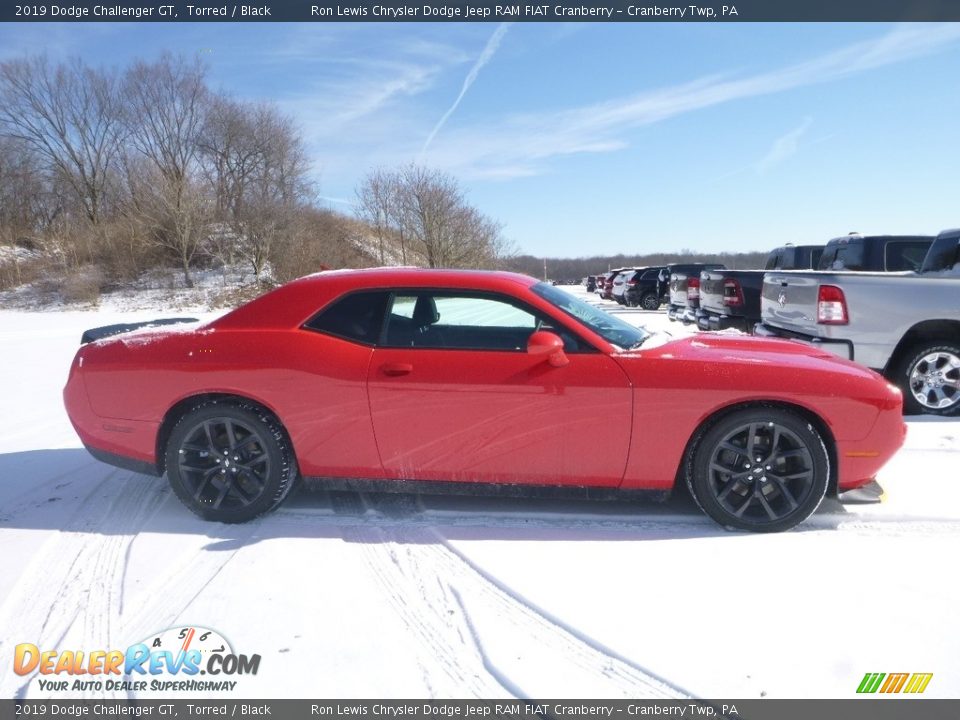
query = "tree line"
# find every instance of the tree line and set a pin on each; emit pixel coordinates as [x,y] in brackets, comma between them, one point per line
[578,268]
[122,170]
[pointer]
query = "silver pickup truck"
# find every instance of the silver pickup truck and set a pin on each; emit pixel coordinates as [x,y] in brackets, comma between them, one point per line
[905,326]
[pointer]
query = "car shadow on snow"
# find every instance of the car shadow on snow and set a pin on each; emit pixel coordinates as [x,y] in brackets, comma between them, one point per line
[67,490]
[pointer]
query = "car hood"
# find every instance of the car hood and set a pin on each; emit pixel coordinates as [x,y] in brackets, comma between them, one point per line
[739,349]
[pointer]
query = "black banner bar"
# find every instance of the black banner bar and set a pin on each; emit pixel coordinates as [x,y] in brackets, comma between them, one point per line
[852,709]
[482,11]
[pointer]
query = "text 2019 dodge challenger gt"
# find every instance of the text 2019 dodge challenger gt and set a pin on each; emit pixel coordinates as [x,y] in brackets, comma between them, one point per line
[471,380]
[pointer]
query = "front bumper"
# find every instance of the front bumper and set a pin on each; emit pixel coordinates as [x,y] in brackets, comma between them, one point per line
[868,494]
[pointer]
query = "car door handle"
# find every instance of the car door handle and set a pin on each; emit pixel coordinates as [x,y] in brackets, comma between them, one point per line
[396,369]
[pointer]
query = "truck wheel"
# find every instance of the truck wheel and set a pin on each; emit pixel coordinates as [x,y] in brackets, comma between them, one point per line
[929,376]
[762,469]
[650,302]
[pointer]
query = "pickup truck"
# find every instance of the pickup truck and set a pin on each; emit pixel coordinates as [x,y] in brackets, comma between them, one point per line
[685,289]
[877,253]
[905,326]
[731,298]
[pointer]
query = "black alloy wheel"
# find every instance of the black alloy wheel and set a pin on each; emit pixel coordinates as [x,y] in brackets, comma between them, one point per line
[650,302]
[762,469]
[229,463]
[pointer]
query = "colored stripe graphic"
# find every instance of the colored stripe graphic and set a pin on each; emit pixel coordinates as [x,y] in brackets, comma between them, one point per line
[918,682]
[870,682]
[895,682]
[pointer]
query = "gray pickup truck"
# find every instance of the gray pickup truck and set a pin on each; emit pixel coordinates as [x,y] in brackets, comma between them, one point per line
[905,326]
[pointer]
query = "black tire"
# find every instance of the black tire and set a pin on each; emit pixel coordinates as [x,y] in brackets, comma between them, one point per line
[230,462]
[929,376]
[780,492]
[650,302]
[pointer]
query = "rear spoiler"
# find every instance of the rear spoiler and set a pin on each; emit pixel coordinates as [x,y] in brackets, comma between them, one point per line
[106,331]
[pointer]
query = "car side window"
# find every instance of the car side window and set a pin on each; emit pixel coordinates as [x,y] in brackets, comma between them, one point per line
[464,322]
[357,317]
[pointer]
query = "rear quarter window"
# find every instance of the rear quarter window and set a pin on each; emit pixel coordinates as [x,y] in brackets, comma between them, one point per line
[357,317]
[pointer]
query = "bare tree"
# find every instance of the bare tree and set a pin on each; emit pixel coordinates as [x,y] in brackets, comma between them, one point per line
[167,104]
[255,161]
[68,114]
[28,205]
[426,212]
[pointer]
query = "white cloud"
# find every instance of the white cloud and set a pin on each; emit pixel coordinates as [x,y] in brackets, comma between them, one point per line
[493,44]
[784,147]
[519,145]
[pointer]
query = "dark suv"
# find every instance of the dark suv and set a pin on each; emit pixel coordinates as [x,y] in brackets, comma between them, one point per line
[647,288]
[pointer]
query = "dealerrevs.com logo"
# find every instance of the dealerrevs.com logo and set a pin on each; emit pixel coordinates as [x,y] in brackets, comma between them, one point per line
[894,682]
[173,660]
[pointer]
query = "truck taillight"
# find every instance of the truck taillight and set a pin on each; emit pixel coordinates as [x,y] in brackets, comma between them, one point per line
[693,289]
[732,293]
[831,306]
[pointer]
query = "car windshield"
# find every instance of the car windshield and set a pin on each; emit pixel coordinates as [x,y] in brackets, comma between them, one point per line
[612,329]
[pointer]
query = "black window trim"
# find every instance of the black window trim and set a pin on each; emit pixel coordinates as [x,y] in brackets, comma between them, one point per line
[587,348]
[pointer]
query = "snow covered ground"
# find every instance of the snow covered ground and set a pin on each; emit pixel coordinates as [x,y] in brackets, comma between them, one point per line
[370,596]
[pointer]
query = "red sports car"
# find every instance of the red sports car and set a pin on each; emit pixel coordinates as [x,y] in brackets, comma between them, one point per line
[469,381]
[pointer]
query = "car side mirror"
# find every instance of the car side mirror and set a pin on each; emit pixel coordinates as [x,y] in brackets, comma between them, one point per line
[549,344]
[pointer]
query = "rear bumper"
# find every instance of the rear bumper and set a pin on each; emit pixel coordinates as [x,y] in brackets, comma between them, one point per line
[840,348]
[707,320]
[130,444]
[123,461]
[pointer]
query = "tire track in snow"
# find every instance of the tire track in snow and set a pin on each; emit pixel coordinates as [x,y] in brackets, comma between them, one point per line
[73,585]
[472,627]
[170,594]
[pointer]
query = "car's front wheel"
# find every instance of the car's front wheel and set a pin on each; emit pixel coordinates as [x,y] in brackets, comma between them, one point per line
[230,462]
[759,469]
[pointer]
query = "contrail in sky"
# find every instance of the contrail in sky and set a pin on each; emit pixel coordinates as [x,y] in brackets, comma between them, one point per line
[492,45]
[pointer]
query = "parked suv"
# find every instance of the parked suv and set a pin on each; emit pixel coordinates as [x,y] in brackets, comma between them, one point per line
[620,285]
[647,288]
[605,287]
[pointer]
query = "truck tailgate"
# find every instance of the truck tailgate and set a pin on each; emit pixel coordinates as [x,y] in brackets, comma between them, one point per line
[789,301]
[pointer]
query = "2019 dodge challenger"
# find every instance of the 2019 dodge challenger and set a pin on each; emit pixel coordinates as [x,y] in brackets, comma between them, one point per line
[472,381]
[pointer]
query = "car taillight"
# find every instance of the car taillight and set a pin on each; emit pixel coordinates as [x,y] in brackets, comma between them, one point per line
[732,293]
[693,289]
[631,282]
[831,306]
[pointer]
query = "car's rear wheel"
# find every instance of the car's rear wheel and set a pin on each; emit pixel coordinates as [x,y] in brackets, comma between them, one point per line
[230,462]
[930,379]
[650,302]
[759,469]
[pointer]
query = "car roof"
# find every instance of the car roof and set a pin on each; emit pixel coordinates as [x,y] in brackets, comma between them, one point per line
[292,304]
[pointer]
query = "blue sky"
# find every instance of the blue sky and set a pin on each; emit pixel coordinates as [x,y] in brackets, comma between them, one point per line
[604,137]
